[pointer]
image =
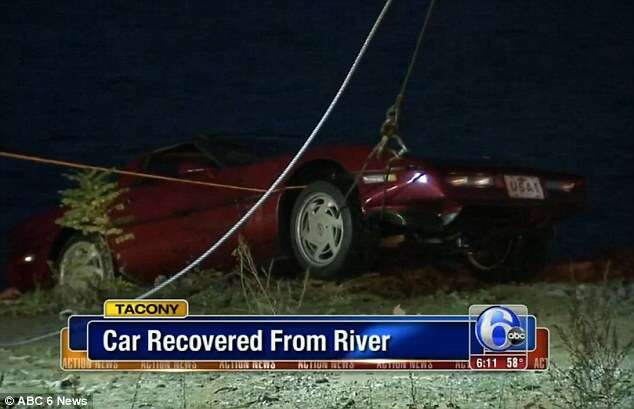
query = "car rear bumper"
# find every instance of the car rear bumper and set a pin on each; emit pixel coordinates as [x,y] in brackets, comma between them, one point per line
[435,208]
[466,218]
[412,220]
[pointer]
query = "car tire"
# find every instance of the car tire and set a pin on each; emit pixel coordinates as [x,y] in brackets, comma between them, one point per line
[519,257]
[328,236]
[85,260]
[530,255]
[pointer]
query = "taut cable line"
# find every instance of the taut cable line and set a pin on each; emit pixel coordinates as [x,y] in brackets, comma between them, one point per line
[76,165]
[389,128]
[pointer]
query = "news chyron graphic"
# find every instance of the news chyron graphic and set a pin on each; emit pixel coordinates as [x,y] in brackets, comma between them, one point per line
[161,335]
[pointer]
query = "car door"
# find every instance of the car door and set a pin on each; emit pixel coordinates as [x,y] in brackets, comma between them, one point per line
[261,230]
[166,224]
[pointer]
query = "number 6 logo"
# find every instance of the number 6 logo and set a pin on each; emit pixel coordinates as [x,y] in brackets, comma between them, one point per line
[493,326]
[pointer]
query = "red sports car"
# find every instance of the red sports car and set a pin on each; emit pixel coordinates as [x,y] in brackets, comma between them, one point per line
[499,218]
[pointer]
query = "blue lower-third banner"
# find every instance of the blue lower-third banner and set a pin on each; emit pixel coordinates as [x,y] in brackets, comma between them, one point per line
[150,338]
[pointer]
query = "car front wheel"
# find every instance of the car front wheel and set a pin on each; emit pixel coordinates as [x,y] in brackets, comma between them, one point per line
[84,262]
[326,232]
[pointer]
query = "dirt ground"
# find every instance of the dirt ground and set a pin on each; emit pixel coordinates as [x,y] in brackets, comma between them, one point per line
[416,289]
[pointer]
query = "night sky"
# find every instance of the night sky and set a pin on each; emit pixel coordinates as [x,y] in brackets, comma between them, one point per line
[547,84]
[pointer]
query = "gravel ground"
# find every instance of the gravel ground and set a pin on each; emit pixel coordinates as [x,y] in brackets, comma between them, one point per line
[35,368]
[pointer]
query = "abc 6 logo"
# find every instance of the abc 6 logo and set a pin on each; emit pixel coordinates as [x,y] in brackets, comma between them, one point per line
[499,328]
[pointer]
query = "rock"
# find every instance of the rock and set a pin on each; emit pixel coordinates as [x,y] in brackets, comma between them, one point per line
[227,389]
[19,358]
[265,398]
[349,403]
[70,380]
[64,314]
[159,280]
[66,383]
[393,241]
[398,310]
[10,293]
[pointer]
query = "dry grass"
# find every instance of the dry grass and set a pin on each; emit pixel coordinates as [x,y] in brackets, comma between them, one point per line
[264,294]
[43,301]
[596,377]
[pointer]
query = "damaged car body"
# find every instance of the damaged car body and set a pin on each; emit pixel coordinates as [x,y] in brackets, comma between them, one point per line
[499,218]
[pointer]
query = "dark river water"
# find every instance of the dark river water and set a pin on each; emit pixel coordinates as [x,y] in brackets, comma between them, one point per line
[544,84]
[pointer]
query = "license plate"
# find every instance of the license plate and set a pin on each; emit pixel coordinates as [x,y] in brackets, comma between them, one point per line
[524,187]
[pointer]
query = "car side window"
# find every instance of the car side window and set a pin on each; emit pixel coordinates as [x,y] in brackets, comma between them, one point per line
[170,163]
[163,165]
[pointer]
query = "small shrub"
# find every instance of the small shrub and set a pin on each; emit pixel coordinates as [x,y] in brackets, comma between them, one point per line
[596,377]
[87,210]
[88,205]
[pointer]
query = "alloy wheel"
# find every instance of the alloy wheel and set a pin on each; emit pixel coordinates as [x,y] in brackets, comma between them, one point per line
[82,263]
[319,229]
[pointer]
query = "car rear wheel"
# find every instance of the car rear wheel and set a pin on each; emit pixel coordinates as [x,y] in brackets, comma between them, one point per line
[327,233]
[504,256]
[84,262]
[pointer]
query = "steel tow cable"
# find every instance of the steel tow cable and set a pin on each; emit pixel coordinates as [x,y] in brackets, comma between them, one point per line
[268,192]
[390,126]
[391,123]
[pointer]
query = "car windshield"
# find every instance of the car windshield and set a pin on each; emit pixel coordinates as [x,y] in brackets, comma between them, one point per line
[244,150]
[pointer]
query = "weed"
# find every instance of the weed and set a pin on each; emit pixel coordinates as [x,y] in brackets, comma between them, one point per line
[413,392]
[42,301]
[183,392]
[416,401]
[596,377]
[261,292]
